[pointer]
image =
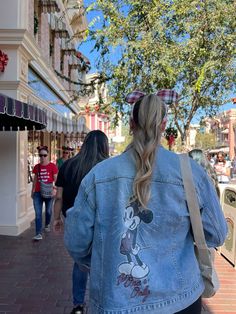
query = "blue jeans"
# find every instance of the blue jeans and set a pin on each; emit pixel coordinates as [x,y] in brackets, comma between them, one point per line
[38,207]
[79,281]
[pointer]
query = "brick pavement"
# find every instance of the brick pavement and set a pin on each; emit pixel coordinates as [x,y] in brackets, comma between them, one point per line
[225,299]
[35,277]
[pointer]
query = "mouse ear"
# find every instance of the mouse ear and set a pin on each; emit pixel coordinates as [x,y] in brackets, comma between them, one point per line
[146,216]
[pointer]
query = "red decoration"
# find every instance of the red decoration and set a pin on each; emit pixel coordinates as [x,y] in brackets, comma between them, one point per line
[3,61]
[171,134]
[171,141]
[97,107]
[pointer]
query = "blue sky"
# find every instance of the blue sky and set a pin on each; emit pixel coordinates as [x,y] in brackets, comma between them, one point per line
[86,48]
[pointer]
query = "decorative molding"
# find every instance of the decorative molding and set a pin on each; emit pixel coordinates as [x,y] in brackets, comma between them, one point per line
[24,69]
[25,42]
[9,85]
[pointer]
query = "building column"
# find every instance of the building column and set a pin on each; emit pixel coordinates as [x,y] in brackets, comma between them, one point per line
[16,211]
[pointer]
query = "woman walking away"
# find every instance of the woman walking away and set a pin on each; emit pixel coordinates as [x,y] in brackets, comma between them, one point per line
[45,173]
[94,149]
[136,235]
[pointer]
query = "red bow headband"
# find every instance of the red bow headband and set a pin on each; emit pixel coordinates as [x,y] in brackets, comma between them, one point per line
[168,96]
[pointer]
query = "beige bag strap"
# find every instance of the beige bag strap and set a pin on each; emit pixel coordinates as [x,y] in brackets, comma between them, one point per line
[194,210]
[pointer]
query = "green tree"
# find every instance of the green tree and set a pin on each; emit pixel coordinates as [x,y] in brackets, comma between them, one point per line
[184,45]
[205,140]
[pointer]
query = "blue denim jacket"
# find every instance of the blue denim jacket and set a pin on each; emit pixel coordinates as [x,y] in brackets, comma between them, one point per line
[141,263]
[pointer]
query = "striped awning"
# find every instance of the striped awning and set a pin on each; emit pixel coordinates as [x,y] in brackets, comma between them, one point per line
[16,115]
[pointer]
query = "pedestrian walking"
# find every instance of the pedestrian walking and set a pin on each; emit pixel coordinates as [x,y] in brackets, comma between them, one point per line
[222,169]
[136,236]
[45,173]
[65,156]
[199,156]
[94,149]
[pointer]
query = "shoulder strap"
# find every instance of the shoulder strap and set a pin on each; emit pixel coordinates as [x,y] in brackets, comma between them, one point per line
[193,207]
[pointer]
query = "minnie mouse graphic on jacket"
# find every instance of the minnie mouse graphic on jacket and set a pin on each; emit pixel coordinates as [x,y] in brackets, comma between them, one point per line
[133,217]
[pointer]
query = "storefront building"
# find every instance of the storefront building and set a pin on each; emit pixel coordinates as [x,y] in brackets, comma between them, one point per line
[38,39]
[224,128]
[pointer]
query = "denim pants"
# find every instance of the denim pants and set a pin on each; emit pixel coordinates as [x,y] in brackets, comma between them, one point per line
[38,207]
[79,281]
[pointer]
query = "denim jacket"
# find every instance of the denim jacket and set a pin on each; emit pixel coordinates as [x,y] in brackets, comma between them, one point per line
[141,262]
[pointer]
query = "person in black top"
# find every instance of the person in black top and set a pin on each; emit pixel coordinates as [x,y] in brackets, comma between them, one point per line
[94,149]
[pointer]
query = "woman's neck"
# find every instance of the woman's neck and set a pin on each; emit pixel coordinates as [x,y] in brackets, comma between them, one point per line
[44,163]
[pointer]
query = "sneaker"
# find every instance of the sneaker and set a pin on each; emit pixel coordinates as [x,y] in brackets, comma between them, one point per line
[47,228]
[79,309]
[38,237]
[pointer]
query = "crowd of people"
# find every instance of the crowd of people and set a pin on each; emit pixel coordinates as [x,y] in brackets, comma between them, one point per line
[126,221]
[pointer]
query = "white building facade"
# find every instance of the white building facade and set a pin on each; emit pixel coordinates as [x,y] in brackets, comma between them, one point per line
[39,38]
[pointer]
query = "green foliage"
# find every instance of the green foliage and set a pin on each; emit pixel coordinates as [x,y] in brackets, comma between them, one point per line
[205,141]
[185,45]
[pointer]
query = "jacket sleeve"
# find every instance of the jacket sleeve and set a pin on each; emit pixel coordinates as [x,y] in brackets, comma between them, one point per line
[79,228]
[214,222]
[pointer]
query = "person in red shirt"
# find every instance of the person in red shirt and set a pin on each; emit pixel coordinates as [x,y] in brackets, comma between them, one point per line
[45,173]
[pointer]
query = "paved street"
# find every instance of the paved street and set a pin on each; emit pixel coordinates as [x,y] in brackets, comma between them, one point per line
[35,277]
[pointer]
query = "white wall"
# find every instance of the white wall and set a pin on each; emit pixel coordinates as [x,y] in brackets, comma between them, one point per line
[14,14]
[8,178]
[15,212]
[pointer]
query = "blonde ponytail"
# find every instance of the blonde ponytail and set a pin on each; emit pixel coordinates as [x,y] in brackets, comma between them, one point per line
[146,137]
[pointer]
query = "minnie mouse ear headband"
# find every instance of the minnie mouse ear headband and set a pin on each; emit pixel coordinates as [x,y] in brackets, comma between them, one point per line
[168,96]
[67,148]
[42,147]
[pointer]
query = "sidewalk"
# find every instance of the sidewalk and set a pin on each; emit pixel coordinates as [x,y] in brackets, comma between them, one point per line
[225,299]
[35,277]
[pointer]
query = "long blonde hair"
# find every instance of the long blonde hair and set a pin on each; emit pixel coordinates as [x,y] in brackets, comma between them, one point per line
[148,114]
